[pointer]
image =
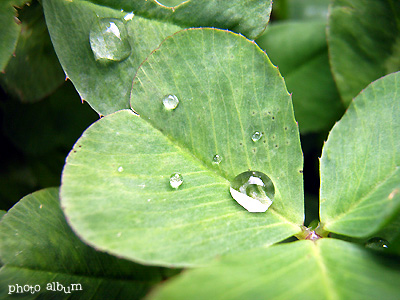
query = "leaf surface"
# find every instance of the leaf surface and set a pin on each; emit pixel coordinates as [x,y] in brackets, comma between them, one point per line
[307,9]
[330,269]
[115,185]
[300,51]
[106,86]
[249,17]
[38,247]
[364,43]
[10,31]
[360,164]
[34,71]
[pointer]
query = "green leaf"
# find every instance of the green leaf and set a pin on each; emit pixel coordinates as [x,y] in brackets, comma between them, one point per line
[2,213]
[360,164]
[364,43]
[307,9]
[106,86]
[248,17]
[10,31]
[37,138]
[116,179]
[34,72]
[300,51]
[171,3]
[328,269]
[390,233]
[394,246]
[37,247]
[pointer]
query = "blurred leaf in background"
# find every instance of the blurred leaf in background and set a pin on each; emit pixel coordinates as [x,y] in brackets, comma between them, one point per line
[36,139]
[33,71]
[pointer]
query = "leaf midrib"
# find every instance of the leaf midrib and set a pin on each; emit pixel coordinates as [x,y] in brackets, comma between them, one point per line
[331,292]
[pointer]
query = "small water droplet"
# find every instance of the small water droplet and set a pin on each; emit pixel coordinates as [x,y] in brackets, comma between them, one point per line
[216,159]
[253,190]
[120,169]
[256,136]
[109,40]
[176,180]
[148,200]
[118,234]
[170,102]
[41,206]
[377,244]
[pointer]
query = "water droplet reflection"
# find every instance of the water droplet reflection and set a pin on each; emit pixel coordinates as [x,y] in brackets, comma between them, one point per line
[256,136]
[176,180]
[129,16]
[253,190]
[216,159]
[170,102]
[109,40]
[377,244]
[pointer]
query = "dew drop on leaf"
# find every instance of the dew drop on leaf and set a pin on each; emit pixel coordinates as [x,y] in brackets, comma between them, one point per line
[176,180]
[377,244]
[170,102]
[256,136]
[120,169]
[216,159]
[109,40]
[253,190]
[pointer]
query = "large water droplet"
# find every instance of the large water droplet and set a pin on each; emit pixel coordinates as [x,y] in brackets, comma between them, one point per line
[109,40]
[170,102]
[253,190]
[216,159]
[256,136]
[176,180]
[377,244]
